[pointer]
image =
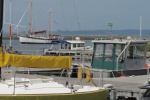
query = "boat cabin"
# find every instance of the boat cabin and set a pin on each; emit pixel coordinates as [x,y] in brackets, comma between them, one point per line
[75,48]
[119,54]
[76,44]
[72,45]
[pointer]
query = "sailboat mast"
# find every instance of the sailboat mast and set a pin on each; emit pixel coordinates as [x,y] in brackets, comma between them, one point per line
[49,16]
[31,30]
[1,24]
[1,20]
[10,26]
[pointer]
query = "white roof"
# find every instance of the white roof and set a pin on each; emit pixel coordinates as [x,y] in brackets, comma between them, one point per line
[75,41]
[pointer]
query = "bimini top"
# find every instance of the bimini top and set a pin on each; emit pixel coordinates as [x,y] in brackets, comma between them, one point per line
[34,61]
[119,41]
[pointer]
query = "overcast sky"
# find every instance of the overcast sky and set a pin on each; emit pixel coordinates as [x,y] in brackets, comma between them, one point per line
[90,14]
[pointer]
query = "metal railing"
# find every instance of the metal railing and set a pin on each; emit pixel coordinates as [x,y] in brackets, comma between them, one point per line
[122,53]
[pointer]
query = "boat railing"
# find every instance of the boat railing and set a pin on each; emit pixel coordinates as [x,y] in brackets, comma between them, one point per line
[20,76]
[31,52]
[73,72]
[122,53]
[76,55]
[64,77]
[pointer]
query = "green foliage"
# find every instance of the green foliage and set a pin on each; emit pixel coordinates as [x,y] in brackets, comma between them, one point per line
[148,46]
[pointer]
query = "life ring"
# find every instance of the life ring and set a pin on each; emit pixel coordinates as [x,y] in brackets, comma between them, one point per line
[87,72]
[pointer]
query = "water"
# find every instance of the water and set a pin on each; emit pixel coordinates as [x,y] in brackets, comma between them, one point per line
[34,48]
[25,48]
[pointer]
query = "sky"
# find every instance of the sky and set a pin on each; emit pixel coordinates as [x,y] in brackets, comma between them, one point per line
[79,14]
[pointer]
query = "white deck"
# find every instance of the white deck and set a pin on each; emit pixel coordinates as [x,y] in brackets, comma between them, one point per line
[40,86]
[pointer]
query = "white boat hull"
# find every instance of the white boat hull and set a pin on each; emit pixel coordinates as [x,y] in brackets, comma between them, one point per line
[32,40]
[40,89]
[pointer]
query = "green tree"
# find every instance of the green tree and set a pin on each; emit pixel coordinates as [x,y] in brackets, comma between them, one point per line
[148,46]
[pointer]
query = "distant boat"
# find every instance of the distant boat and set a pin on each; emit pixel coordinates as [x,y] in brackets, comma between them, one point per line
[34,37]
[74,48]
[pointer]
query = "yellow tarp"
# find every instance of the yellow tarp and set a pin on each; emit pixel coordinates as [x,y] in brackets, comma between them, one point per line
[34,61]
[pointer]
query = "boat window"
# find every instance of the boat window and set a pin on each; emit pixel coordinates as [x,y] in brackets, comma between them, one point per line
[139,53]
[62,46]
[130,52]
[119,49]
[69,46]
[74,45]
[136,52]
[78,45]
[109,51]
[99,51]
[78,53]
[65,46]
[82,45]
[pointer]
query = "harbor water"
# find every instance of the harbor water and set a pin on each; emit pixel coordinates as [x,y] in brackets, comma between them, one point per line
[34,48]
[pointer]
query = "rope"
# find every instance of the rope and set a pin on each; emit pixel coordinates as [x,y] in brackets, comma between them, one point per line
[63,15]
[77,16]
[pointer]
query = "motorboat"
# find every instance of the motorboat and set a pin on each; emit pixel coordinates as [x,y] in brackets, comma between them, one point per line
[74,48]
[120,56]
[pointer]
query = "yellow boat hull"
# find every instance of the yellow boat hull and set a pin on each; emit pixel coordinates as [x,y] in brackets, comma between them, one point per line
[97,95]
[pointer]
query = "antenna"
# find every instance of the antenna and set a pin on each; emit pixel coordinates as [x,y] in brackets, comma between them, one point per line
[110,25]
[140,27]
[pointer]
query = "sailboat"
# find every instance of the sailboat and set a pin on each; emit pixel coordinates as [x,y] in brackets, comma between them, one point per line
[32,37]
[17,88]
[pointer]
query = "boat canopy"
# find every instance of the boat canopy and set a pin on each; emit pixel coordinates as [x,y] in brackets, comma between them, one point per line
[34,61]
